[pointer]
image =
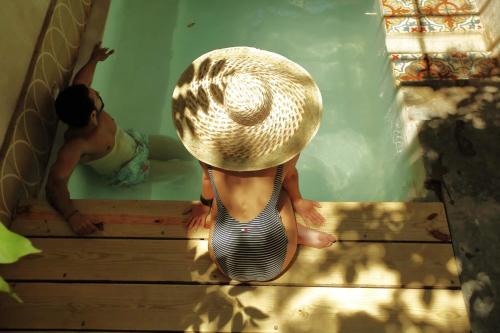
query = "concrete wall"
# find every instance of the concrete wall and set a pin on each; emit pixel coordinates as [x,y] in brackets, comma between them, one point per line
[20,26]
[490,17]
[30,90]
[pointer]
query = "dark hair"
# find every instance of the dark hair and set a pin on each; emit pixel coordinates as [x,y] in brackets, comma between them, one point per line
[74,106]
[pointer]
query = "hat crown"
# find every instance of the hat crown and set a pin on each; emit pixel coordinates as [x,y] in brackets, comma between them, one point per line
[247,99]
[245,109]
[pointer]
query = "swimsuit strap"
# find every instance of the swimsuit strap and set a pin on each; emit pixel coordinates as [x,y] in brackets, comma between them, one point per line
[278,179]
[220,205]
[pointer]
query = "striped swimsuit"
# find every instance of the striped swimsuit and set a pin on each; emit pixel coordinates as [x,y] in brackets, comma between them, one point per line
[251,251]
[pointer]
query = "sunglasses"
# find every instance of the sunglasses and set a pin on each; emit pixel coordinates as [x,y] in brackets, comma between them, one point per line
[102,106]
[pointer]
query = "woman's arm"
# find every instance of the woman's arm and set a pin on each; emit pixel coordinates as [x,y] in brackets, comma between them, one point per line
[305,208]
[199,210]
[206,187]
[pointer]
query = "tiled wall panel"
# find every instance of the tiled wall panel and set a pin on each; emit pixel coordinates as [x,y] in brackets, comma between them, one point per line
[20,40]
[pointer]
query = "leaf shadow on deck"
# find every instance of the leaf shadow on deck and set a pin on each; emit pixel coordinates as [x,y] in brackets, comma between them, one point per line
[184,291]
[377,296]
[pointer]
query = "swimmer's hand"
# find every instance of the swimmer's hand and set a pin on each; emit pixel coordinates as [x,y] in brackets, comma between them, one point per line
[307,209]
[100,53]
[198,216]
[83,225]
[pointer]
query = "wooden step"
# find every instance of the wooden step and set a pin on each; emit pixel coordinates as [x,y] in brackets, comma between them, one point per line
[346,264]
[233,308]
[350,221]
[393,268]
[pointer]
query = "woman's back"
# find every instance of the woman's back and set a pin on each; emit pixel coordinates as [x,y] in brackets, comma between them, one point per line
[244,194]
[252,245]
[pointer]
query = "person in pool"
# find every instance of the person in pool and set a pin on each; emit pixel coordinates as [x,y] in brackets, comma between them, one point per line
[246,114]
[94,138]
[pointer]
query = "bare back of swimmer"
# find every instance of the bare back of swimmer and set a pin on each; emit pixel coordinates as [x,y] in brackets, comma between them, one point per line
[244,196]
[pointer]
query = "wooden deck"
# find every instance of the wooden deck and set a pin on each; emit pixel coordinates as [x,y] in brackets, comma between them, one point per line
[392,271]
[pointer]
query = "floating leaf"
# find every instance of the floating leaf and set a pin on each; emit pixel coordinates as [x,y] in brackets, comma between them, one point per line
[4,287]
[13,246]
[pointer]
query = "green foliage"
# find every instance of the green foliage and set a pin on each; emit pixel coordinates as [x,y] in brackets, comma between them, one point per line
[12,247]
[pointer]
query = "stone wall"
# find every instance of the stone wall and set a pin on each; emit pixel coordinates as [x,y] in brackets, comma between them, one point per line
[40,63]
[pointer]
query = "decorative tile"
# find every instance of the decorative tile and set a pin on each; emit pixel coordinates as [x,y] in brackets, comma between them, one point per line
[399,7]
[412,24]
[402,24]
[461,65]
[443,66]
[409,67]
[428,7]
[446,7]
[460,23]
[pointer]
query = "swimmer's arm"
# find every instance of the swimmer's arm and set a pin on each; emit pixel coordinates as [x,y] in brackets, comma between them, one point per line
[56,189]
[86,73]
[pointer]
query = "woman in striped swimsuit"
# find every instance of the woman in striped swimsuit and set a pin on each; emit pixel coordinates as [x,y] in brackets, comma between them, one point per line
[253,231]
[246,114]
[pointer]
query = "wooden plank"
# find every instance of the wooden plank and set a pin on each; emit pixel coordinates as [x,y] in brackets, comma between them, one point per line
[164,219]
[232,308]
[343,264]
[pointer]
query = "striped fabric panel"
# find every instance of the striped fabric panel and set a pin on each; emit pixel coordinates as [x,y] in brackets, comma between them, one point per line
[252,251]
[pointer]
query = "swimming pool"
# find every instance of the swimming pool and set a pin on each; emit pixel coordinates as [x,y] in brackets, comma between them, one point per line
[354,156]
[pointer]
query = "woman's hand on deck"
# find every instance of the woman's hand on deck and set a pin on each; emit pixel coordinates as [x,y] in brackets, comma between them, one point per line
[198,216]
[307,209]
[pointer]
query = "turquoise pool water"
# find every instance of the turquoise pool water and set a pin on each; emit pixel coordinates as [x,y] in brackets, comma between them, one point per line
[354,156]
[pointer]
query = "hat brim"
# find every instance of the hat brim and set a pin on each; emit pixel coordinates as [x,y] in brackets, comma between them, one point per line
[213,137]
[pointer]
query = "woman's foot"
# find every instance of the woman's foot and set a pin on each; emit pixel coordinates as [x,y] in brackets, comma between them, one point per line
[314,238]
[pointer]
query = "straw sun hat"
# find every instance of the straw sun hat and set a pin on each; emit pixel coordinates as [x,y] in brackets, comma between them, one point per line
[245,109]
